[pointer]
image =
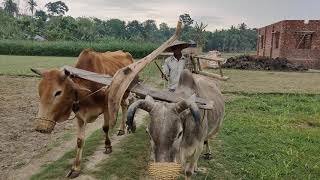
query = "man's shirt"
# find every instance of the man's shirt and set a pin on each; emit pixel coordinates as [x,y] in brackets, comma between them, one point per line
[173,68]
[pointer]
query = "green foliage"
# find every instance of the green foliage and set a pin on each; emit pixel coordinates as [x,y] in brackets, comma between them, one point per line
[232,40]
[41,15]
[9,28]
[67,28]
[186,19]
[130,161]
[32,5]
[57,8]
[11,7]
[71,48]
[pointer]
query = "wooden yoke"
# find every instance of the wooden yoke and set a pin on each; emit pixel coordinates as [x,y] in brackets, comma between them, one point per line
[123,78]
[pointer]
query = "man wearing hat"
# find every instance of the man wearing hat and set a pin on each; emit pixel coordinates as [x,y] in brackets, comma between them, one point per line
[174,65]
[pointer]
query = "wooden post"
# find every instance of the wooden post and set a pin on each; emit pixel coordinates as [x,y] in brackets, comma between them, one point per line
[199,65]
[220,68]
[193,64]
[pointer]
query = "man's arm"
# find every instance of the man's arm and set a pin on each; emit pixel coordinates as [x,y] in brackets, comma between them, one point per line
[166,67]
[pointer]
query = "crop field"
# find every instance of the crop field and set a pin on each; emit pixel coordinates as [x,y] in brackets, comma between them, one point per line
[271,129]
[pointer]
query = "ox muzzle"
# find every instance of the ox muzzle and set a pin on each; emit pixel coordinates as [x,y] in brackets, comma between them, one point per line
[44,125]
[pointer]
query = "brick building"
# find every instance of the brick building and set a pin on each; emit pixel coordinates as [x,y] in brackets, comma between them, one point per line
[296,40]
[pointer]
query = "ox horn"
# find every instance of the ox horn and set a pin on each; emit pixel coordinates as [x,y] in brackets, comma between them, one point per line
[37,71]
[189,104]
[146,105]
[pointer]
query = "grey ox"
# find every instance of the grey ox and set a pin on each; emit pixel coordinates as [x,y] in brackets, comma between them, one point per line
[178,131]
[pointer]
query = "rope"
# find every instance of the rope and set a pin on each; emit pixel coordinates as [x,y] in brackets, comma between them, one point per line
[93,93]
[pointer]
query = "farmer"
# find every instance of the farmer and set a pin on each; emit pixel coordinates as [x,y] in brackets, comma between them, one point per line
[175,64]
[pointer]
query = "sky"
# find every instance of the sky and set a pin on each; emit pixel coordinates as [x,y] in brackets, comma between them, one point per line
[218,14]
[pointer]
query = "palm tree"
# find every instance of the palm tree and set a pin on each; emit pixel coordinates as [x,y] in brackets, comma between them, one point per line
[32,5]
[11,7]
[199,34]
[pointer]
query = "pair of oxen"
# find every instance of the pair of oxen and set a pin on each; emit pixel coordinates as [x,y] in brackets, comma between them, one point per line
[177,131]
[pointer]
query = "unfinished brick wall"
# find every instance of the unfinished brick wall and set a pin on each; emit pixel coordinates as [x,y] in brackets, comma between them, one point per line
[283,38]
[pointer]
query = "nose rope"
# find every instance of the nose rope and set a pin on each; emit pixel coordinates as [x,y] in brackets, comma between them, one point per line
[104,87]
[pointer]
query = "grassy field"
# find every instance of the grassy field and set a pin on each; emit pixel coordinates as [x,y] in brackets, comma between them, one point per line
[20,65]
[240,81]
[229,55]
[270,82]
[271,129]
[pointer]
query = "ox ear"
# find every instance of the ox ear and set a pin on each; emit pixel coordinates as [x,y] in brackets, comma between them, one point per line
[38,71]
[64,74]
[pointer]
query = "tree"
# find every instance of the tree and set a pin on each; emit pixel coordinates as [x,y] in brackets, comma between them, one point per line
[242,26]
[150,30]
[32,5]
[115,28]
[134,30]
[200,33]
[57,8]
[9,27]
[164,31]
[186,19]
[41,15]
[11,7]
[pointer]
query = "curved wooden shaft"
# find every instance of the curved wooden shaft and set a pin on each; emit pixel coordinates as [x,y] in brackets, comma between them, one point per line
[123,78]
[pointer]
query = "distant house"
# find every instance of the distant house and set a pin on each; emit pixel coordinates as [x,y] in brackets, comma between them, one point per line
[296,40]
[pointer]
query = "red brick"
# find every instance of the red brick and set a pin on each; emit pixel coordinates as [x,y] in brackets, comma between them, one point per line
[287,30]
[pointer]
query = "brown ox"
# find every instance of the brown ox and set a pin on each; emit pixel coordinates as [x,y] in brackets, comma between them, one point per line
[60,92]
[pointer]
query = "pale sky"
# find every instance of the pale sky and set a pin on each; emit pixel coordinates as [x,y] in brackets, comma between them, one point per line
[217,13]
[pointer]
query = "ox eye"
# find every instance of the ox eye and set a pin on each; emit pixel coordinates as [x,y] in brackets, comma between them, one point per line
[58,93]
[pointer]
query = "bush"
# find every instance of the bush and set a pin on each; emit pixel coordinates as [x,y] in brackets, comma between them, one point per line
[72,48]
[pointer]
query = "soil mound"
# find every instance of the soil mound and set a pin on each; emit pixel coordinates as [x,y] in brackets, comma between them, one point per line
[262,63]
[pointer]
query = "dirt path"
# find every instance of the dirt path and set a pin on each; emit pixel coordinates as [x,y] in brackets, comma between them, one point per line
[54,154]
[99,156]
[19,142]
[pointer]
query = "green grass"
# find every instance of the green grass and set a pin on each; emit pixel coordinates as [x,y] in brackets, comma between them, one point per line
[230,54]
[268,137]
[130,161]
[270,82]
[20,65]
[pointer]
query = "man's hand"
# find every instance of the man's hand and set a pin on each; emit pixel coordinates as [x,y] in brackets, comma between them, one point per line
[163,76]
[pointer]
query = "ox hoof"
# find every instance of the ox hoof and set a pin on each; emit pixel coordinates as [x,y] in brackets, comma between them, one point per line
[108,150]
[188,174]
[207,156]
[73,174]
[120,132]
